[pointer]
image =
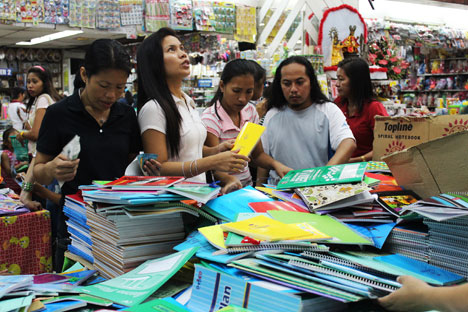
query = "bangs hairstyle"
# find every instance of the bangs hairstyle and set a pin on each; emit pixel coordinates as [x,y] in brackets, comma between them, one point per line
[152,85]
[6,135]
[47,86]
[234,68]
[105,54]
[358,73]
[276,97]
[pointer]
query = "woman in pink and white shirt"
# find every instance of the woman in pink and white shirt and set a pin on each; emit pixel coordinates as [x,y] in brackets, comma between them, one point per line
[230,110]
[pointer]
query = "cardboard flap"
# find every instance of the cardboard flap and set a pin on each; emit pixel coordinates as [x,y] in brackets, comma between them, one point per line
[434,167]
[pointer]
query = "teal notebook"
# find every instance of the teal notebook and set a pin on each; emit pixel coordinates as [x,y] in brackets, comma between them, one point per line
[337,174]
[159,305]
[135,286]
[416,268]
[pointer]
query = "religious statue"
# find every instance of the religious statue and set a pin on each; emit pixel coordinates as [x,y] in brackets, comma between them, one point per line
[336,54]
[350,44]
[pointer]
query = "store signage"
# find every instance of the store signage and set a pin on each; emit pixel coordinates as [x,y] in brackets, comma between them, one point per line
[5,72]
[205,83]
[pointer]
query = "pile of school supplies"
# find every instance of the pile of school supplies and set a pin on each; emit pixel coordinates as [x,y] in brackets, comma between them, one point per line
[79,288]
[290,281]
[81,243]
[448,244]
[132,219]
[409,240]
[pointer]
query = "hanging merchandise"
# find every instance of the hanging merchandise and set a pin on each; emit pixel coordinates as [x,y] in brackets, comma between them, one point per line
[30,11]
[8,10]
[203,13]
[131,12]
[225,17]
[181,14]
[156,14]
[83,13]
[246,24]
[107,14]
[56,11]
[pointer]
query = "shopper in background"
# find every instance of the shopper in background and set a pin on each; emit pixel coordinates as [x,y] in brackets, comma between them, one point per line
[10,163]
[259,82]
[108,131]
[16,109]
[303,129]
[356,100]
[41,95]
[170,125]
[229,110]
[415,295]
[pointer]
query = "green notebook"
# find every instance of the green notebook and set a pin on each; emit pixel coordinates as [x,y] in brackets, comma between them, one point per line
[135,286]
[337,174]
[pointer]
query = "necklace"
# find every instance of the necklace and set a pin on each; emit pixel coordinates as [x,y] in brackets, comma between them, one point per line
[100,120]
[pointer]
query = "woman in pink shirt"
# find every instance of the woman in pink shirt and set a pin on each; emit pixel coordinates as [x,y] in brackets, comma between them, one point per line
[228,112]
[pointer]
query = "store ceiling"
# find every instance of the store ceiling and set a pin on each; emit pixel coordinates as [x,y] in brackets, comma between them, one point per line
[11,34]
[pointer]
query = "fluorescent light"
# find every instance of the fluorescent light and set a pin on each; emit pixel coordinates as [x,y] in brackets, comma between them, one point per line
[55,36]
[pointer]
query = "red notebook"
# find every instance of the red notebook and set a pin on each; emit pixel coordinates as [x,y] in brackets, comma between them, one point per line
[143,182]
[261,207]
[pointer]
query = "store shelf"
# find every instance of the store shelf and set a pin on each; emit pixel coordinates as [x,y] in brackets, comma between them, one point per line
[443,74]
[449,59]
[443,90]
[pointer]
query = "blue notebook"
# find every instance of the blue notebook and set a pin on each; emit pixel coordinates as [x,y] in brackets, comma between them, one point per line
[378,233]
[416,268]
[227,207]
[61,306]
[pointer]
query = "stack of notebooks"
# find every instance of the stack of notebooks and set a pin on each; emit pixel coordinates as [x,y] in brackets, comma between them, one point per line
[81,242]
[448,244]
[341,276]
[410,240]
[133,219]
[121,243]
[329,188]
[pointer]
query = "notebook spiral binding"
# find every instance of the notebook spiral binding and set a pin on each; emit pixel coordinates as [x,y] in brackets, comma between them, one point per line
[278,246]
[320,257]
[458,193]
[347,276]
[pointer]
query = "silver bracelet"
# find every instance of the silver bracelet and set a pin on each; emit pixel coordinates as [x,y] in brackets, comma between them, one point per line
[183,171]
[191,174]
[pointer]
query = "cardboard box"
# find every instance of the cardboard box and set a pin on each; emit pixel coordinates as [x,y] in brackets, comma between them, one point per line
[393,134]
[434,167]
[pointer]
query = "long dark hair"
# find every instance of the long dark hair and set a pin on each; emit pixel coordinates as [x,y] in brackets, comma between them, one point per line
[105,54]
[152,85]
[276,97]
[358,73]
[234,68]
[47,87]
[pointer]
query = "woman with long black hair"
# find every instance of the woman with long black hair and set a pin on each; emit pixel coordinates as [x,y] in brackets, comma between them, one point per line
[170,125]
